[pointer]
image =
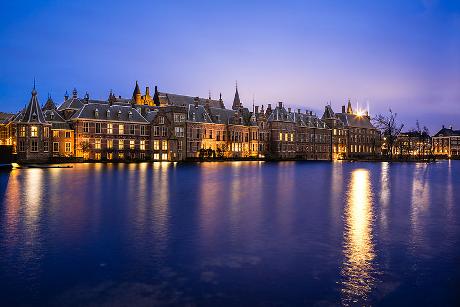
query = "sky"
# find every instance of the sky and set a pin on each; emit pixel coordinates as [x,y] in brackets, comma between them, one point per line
[403,55]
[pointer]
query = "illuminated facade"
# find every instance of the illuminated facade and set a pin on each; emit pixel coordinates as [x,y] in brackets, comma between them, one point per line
[172,127]
[446,143]
[353,135]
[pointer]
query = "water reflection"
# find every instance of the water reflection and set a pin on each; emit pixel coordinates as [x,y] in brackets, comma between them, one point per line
[357,270]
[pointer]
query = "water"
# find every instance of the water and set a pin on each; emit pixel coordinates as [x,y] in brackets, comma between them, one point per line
[242,233]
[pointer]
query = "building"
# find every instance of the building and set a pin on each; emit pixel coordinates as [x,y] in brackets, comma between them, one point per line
[446,143]
[413,144]
[353,135]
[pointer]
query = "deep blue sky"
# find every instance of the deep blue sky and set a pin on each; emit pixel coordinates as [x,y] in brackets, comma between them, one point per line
[399,54]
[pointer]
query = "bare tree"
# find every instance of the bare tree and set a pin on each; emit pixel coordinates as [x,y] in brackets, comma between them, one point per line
[390,129]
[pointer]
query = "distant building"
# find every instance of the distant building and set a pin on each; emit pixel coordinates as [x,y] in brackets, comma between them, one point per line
[446,143]
[412,144]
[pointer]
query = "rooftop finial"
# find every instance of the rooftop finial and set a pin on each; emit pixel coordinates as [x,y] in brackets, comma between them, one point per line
[209,94]
[34,92]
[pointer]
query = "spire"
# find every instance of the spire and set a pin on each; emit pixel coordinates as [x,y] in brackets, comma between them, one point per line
[137,94]
[349,108]
[209,94]
[33,113]
[66,96]
[236,101]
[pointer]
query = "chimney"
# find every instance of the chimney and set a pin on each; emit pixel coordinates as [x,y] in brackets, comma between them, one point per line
[257,110]
[269,107]
[195,100]
[280,104]
[147,91]
[343,109]
[450,127]
[289,110]
[311,113]
[298,111]
[119,96]
[443,127]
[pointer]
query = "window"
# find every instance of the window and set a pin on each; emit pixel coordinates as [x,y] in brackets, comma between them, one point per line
[179,146]
[142,155]
[22,131]
[210,133]
[156,156]
[45,146]
[67,134]
[55,146]
[179,131]
[34,131]
[86,127]
[121,144]
[34,145]
[98,128]
[121,129]
[109,128]
[292,137]
[22,145]
[164,145]
[131,144]
[142,144]
[132,129]
[161,120]
[55,133]
[97,156]
[121,155]
[97,144]
[109,144]
[281,136]
[109,156]
[46,132]
[156,145]
[164,156]
[163,131]
[68,147]
[142,130]
[156,130]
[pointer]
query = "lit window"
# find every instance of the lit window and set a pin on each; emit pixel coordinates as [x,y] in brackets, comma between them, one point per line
[22,131]
[97,144]
[46,132]
[45,146]
[121,144]
[121,129]
[109,128]
[142,145]
[164,157]
[55,133]
[109,144]
[281,136]
[121,155]
[156,145]
[34,131]
[131,144]
[109,156]
[97,156]
[68,147]
[164,145]
[86,127]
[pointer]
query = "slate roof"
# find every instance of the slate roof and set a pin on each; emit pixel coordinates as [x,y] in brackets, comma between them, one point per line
[49,104]
[281,114]
[355,121]
[198,114]
[73,103]
[6,117]
[328,112]
[117,113]
[56,120]
[182,100]
[447,132]
[33,112]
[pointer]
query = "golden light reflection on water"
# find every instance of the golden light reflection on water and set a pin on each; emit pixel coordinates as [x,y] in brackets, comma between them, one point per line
[357,270]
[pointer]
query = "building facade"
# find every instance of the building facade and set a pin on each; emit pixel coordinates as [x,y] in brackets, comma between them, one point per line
[172,127]
[446,143]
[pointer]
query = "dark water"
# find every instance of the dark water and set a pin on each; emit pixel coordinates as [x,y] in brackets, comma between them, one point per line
[231,234]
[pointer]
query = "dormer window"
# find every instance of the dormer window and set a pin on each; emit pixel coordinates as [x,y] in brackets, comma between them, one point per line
[96,113]
[34,115]
[130,115]
[52,115]
[119,114]
[161,120]
[108,113]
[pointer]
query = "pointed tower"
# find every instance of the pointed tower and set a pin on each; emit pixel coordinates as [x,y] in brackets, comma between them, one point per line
[33,133]
[49,104]
[137,94]
[236,101]
[349,108]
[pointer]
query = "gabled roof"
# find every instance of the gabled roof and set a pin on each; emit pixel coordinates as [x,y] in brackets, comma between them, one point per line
[355,121]
[56,120]
[33,112]
[120,113]
[281,114]
[447,132]
[328,112]
[49,104]
[73,103]
[182,100]
[198,114]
